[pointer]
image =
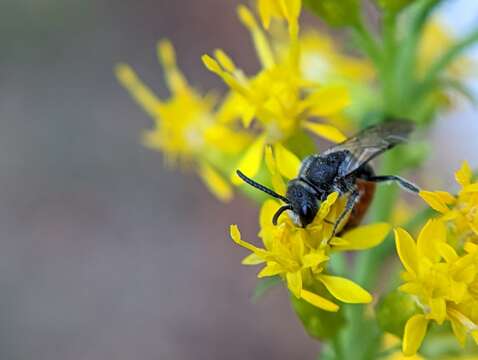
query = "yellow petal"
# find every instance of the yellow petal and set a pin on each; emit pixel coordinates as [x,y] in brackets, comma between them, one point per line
[265,11]
[345,290]
[319,301]
[174,77]
[271,269]
[458,330]
[215,182]
[325,131]
[260,41]
[252,259]
[415,330]
[432,234]
[225,61]
[287,162]
[294,282]
[365,237]
[437,309]
[313,259]
[138,90]
[470,188]
[236,237]
[277,181]
[328,101]
[447,252]
[463,176]
[407,250]
[437,200]
[251,161]
[326,205]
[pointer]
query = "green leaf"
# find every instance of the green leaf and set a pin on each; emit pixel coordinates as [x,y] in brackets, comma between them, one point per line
[263,286]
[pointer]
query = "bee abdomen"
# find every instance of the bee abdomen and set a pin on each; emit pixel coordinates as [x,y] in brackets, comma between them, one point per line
[366,192]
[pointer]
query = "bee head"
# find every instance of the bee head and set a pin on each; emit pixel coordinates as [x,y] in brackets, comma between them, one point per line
[303,202]
[300,198]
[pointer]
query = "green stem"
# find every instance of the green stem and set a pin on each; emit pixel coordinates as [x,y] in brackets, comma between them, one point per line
[367,43]
[444,61]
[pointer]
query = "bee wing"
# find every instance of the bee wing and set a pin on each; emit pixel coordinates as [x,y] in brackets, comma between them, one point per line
[370,143]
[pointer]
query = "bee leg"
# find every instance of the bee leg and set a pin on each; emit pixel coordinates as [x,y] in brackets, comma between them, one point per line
[348,208]
[404,184]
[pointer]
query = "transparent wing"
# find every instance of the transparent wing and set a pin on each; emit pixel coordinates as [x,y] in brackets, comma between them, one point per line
[370,143]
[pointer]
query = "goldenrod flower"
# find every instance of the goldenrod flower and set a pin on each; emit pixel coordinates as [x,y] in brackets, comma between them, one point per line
[186,127]
[443,283]
[460,211]
[299,255]
[278,97]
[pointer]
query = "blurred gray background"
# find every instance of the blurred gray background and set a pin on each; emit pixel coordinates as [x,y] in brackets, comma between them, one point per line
[105,254]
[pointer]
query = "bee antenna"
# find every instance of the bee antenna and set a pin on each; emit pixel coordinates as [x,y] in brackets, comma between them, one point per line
[261,187]
[279,212]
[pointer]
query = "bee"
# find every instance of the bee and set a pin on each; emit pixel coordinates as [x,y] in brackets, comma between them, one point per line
[344,168]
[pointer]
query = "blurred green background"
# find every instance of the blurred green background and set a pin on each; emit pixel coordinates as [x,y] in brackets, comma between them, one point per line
[105,253]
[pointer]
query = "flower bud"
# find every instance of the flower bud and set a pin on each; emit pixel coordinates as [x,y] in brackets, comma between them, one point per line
[318,323]
[393,311]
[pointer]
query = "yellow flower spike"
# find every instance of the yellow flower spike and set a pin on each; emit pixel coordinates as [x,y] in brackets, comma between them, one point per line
[216,184]
[407,250]
[251,161]
[345,290]
[287,162]
[415,330]
[261,43]
[319,301]
[225,61]
[363,237]
[325,131]
[138,90]
[463,176]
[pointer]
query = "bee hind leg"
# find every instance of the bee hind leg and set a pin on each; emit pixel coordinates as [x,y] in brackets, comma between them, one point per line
[403,183]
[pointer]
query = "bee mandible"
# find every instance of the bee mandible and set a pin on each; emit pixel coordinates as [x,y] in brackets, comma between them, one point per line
[345,169]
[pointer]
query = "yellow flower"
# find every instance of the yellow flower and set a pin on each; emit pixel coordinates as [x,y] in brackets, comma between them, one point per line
[322,60]
[443,283]
[461,211]
[279,98]
[299,255]
[186,127]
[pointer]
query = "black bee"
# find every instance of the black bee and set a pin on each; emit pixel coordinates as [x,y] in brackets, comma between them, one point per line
[343,168]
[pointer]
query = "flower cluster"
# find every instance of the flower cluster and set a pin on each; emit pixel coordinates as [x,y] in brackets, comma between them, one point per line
[310,85]
[300,255]
[460,212]
[279,99]
[444,284]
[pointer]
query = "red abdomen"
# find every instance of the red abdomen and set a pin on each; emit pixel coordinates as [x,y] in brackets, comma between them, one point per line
[366,191]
